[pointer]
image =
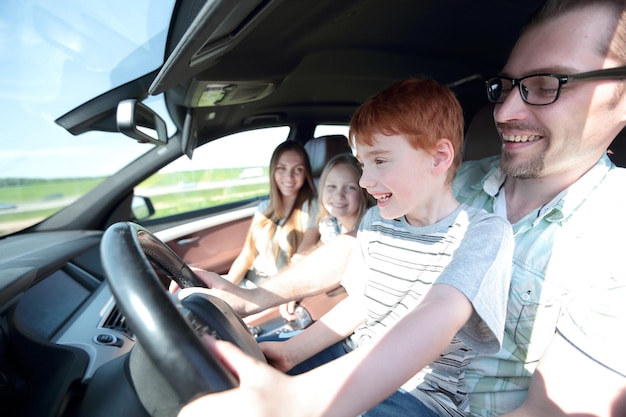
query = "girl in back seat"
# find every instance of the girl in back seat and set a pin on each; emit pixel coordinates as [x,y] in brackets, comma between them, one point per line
[343,202]
[341,205]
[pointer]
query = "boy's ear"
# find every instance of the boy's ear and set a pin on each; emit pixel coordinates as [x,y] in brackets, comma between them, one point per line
[443,156]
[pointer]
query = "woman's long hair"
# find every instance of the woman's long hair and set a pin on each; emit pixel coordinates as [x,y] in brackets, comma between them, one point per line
[274,212]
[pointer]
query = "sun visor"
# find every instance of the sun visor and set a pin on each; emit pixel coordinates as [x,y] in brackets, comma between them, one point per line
[217,28]
[208,93]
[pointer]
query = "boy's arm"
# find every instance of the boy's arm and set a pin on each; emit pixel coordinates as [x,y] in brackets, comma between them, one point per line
[310,240]
[344,386]
[319,271]
[390,360]
[334,326]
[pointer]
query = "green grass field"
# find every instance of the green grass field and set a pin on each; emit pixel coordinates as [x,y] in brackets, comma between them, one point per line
[36,199]
[27,190]
[176,203]
[161,180]
[183,200]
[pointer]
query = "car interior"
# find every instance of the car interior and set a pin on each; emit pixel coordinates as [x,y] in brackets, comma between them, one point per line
[88,326]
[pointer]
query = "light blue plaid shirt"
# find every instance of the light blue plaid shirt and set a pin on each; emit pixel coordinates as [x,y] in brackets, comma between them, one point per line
[561,250]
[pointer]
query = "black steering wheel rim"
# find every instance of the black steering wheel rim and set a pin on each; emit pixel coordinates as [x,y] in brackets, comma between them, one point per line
[164,333]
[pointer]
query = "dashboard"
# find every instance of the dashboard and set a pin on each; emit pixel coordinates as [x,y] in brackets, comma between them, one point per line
[58,319]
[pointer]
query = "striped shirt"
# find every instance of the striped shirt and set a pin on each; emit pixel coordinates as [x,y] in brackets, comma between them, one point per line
[397,263]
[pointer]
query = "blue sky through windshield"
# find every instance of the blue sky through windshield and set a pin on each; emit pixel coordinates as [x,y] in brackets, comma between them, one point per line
[58,54]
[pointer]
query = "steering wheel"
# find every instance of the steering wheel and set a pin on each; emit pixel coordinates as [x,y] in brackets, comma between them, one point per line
[167,333]
[166,261]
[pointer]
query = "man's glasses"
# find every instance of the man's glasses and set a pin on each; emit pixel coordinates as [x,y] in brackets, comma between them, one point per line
[542,89]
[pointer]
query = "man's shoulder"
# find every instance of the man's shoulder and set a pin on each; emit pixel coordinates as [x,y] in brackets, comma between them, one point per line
[472,178]
[609,190]
[473,173]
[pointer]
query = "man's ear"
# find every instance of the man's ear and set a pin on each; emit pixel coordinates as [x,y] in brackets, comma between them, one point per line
[443,156]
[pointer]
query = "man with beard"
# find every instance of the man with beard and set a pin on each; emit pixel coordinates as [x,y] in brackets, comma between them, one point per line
[559,104]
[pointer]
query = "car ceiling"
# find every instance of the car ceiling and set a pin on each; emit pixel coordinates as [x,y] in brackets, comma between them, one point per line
[320,58]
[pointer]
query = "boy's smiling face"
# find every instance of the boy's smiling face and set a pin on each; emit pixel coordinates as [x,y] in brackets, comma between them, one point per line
[399,177]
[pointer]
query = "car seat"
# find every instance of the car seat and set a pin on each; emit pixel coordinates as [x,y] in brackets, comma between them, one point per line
[321,149]
[482,138]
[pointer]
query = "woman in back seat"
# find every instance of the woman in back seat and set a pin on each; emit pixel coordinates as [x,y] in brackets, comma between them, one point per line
[283,225]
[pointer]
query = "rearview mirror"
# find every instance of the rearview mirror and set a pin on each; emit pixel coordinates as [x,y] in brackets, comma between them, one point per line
[138,121]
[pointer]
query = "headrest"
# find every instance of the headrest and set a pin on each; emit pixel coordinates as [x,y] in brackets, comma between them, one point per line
[323,148]
[482,138]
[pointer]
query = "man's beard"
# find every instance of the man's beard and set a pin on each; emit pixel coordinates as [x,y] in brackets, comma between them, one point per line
[526,169]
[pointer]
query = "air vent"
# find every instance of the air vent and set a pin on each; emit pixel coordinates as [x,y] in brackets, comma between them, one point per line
[117,321]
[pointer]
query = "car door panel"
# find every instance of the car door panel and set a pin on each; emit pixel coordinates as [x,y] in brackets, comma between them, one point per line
[211,244]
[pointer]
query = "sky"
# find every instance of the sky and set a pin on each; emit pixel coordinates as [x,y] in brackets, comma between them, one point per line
[54,59]
[58,54]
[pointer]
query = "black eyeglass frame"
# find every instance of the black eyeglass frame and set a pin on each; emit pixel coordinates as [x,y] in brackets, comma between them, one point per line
[601,74]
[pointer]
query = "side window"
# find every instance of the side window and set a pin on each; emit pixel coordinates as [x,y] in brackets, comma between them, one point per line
[226,170]
[321,130]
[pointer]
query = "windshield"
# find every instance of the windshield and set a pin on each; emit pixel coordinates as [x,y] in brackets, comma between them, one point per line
[55,56]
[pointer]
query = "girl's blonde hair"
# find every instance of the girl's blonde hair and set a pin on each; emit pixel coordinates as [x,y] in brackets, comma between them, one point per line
[350,161]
